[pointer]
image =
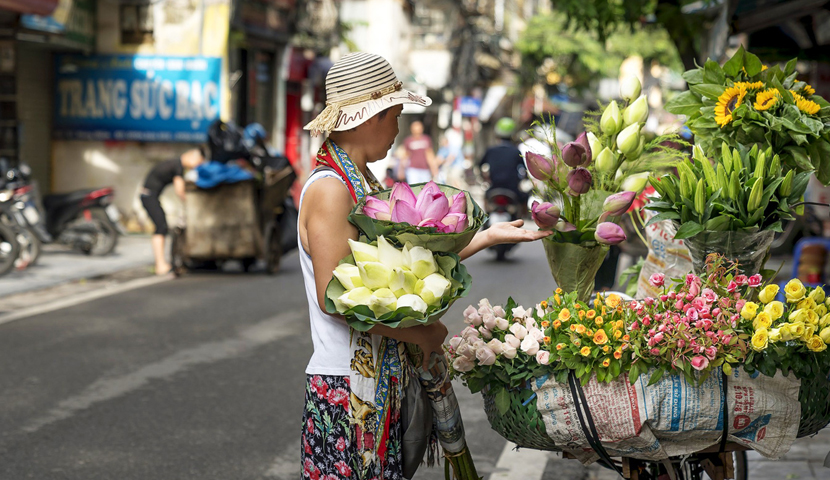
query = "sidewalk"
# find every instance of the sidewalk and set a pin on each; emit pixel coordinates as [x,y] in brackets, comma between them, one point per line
[58,265]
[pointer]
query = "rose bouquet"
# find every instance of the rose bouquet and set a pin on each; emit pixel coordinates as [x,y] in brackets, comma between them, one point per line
[437,217]
[746,103]
[588,185]
[399,288]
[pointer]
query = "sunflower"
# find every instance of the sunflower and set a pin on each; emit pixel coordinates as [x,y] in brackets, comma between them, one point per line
[750,86]
[728,102]
[764,67]
[807,106]
[807,90]
[766,99]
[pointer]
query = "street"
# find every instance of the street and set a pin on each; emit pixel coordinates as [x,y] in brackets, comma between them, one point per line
[202,377]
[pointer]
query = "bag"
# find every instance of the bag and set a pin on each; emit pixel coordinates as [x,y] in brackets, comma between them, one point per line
[416,419]
[225,142]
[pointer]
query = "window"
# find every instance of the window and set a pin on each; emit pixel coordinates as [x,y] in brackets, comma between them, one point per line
[136,23]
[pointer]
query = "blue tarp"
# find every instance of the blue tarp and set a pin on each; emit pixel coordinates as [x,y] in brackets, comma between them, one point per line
[212,174]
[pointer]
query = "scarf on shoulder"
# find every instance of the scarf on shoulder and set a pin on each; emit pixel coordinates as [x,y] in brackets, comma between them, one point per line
[377,363]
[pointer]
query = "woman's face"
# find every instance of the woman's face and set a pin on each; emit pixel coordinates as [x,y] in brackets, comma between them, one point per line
[385,131]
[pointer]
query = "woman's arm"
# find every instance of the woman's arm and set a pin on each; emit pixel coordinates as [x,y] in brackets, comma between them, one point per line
[325,212]
[506,232]
[178,186]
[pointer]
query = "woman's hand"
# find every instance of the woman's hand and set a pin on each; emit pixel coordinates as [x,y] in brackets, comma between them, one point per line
[431,339]
[505,232]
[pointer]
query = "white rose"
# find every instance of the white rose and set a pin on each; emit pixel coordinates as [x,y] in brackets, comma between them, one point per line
[485,333]
[518,330]
[537,334]
[509,351]
[499,311]
[489,321]
[463,364]
[496,346]
[512,341]
[502,324]
[529,345]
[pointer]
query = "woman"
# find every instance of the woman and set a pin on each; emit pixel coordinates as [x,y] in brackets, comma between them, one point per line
[160,176]
[363,436]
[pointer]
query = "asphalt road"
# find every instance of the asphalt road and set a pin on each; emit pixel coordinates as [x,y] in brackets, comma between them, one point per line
[202,378]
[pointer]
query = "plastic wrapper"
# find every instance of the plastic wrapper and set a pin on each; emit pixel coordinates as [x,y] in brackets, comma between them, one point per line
[749,250]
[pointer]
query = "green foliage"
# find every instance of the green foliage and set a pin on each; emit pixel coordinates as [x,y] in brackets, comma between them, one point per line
[581,55]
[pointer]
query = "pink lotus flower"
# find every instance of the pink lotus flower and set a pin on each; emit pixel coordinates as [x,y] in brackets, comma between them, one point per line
[455,222]
[377,209]
[432,203]
[575,154]
[403,212]
[538,166]
[563,226]
[618,203]
[579,181]
[755,281]
[657,279]
[546,215]
[582,139]
[700,362]
[401,192]
[459,203]
[609,233]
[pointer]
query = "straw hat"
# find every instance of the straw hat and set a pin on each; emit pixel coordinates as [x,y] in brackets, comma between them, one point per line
[359,86]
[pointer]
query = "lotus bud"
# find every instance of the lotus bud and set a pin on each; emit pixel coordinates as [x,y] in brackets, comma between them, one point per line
[619,203]
[637,112]
[389,255]
[635,183]
[363,252]
[538,166]
[564,227]
[595,145]
[640,147]
[383,301]
[401,192]
[611,120]
[575,155]
[348,275]
[630,88]
[374,274]
[629,139]
[402,282]
[414,302]
[377,209]
[609,233]
[579,181]
[459,203]
[432,203]
[584,139]
[403,212]
[455,222]
[605,160]
[433,288]
[358,296]
[545,215]
[421,262]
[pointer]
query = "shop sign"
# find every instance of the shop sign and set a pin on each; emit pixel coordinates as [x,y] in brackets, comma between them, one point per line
[469,106]
[140,98]
[75,19]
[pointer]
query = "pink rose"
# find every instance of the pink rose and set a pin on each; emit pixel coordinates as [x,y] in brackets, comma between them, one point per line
[462,364]
[485,333]
[741,279]
[489,321]
[692,279]
[700,362]
[543,357]
[496,346]
[499,311]
[655,351]
[755,281]
[681,343]
[732,286]
[694,289]
[485,356]
[739,305]
[470,333]
[518,330]
[709,295]
[455,342]
[711,352]
[529,345]
[657,279]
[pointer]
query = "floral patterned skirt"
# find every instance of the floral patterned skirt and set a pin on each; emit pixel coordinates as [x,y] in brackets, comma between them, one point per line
[328,449]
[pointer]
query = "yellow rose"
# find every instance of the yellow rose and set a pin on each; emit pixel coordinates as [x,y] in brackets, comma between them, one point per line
[821,310]
[797,329]
[613,300]
[749,310]
[762,320]
[600,338]
[816,344]
[775,310]
[585,351]
[768,293]
[760,340]
[825,334]
[775,335]
[794,290]
[818,295]
[786,332]
[812,317]
[564,315]
[809,331]
[825,320]
[799,315]
[807,304]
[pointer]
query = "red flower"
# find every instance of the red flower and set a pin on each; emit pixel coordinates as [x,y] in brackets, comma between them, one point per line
[306,446]
[343,468]
[309,470]
[310,425]
[338,396]
[319,386]
[341,444]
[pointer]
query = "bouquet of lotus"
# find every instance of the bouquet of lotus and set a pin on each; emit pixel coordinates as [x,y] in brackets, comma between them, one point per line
[379,284]
[437,217]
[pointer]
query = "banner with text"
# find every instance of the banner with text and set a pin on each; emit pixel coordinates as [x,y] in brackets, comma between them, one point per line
[139,98]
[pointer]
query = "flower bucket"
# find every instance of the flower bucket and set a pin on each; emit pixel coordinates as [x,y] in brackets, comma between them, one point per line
[574,267]
[749,249]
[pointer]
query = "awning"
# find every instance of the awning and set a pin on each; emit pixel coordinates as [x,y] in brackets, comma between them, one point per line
[36,7]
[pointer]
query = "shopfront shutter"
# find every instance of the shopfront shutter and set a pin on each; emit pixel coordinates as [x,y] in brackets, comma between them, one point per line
[35,95]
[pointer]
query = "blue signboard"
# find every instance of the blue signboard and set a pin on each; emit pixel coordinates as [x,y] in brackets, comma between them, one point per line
[469,106]
[133,97]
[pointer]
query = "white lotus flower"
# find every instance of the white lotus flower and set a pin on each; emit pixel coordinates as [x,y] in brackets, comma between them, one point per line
[358,296]
[402,282]
[421,262]
[389,255]
[433,288]
[363,252]
[374,274]
[414,302]
[383,301]
[348,275]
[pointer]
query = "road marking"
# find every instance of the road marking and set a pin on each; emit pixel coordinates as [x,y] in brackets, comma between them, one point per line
[105,389]
[525,464]
[78,299]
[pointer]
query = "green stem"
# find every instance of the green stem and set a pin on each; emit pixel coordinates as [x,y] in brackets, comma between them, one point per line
[637,227]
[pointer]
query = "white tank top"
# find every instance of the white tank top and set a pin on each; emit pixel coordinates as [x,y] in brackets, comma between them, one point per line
[329,335]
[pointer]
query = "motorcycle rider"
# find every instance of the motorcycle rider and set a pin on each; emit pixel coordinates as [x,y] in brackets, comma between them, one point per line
[160,176]
[506,166]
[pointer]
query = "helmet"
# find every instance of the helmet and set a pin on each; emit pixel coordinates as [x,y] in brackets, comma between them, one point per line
[505,127]
[253,133]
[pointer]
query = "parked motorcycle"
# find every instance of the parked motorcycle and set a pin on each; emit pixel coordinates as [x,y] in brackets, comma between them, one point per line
[12,217]
[86,220]
[502,205]
[9,246]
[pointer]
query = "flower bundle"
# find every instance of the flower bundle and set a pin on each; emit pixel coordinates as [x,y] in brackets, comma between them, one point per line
[792,336]
[745,190]
[746,103]
[381,284]
[437,217]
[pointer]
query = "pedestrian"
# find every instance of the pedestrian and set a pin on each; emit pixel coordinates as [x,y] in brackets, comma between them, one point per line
[160,176]
[451,159]
[420,164]
[353,378]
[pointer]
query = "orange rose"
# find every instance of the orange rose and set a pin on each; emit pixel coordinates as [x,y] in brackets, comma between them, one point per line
[601,338]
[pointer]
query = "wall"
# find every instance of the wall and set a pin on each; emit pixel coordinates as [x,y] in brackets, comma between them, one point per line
[180,27]
[380,27]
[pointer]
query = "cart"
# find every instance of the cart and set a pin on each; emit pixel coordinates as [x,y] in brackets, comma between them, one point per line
[236,221]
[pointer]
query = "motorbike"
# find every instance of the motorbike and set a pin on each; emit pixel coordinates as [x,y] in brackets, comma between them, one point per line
[502,205]
[86,220]
[9,246]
